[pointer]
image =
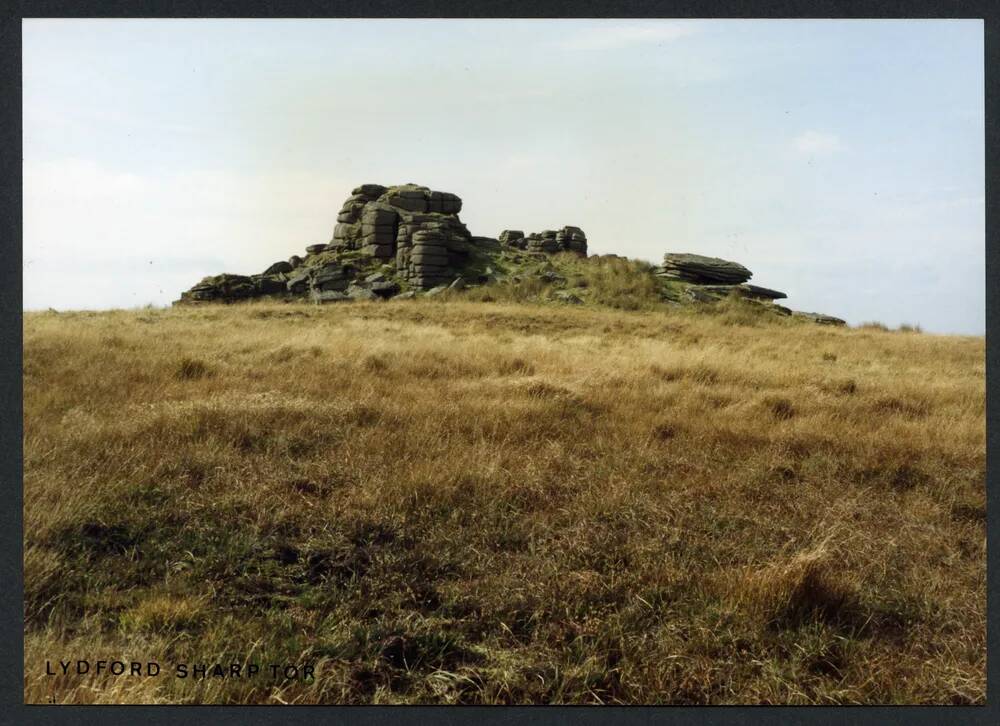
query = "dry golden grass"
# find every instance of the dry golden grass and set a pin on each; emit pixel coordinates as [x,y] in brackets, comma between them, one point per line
[490,503]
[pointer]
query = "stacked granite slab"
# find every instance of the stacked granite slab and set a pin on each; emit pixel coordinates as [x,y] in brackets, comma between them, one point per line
[711,279]
[412,225]
[544,241]
[572,239]
[762,293]
[549,241]
[427,261]
[361,222]
[701,270]
[224,287]
[378,231]
[753,292]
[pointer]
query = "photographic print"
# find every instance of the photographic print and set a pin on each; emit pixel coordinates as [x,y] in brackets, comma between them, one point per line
[385,361]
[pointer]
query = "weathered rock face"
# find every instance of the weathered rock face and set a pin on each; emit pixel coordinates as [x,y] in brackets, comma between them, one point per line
[412,226]
[702,270]
[228,287]
[413,230]
[567,239]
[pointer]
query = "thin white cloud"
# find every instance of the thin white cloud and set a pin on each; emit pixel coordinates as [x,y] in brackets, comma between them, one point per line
[817,143]
[624,35]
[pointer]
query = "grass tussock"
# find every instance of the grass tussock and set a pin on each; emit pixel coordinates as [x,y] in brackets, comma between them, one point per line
[876,326]
[164,613]
[499,503]
[807,586]
[781,409]
[619,284]
[191,369]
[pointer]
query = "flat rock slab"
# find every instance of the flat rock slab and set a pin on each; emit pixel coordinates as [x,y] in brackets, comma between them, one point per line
[703,270]
[753,292]
[763,292]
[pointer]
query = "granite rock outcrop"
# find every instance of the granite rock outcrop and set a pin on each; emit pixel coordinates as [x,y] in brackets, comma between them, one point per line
[403,240]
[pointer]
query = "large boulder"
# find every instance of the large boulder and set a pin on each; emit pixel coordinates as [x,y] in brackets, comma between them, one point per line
[330,277]
[221,288]
[278,267]
[702,270]
[370,191]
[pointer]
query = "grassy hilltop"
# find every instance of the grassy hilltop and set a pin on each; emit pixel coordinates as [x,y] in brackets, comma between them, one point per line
[455,501]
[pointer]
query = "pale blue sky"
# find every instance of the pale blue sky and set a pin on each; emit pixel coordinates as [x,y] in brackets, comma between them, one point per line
[841,161]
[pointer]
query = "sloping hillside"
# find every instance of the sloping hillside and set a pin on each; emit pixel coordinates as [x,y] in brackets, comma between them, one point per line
[488,502]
